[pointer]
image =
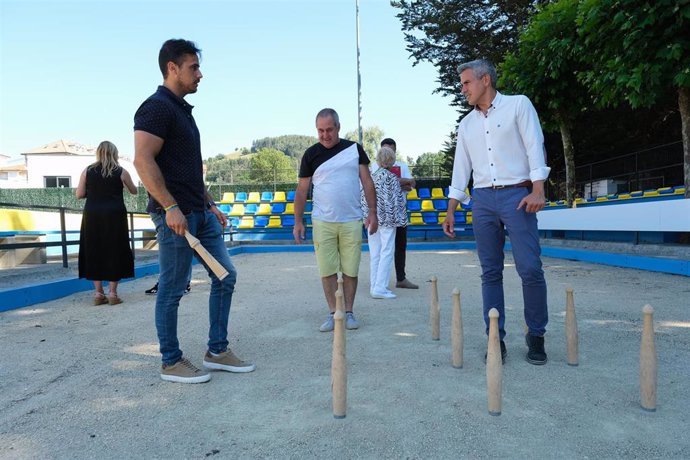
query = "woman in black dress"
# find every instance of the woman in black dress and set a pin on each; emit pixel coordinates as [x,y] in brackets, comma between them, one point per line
[104,251]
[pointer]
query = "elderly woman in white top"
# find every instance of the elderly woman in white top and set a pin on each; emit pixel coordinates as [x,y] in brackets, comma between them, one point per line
[390,208]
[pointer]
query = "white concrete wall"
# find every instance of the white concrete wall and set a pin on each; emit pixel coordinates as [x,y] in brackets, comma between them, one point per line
[39,166]
[651,216]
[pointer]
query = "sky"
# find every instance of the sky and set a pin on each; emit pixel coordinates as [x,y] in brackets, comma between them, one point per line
[78,70]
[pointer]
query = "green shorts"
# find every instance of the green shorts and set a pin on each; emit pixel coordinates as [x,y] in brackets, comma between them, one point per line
[338,247]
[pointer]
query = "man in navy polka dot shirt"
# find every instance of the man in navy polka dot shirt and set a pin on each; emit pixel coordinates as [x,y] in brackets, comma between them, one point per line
[167,156]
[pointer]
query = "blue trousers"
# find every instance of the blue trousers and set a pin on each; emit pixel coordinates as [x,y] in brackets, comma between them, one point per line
[175,258]
[493,212]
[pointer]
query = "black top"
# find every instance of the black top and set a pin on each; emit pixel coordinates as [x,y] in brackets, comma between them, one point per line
[317,154]
[169,117]
[104,194]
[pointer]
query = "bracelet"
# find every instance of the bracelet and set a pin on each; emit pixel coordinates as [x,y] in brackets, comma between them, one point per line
[172,206]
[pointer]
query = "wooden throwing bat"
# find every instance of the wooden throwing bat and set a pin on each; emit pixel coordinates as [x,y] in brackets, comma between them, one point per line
[211,261]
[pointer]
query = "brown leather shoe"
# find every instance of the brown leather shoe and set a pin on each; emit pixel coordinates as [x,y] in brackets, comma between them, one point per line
[406,284]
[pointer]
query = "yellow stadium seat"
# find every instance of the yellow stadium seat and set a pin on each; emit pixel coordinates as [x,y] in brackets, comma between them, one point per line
[228,197]
[437,192]
[441,216]
[237,210]
[427,205]
[649,193]
[624,196]
[279,197]
[246,222]
[253,197]
[274,222]
[679,190]
[416,218]
[412,194]
[468,217]
[289,208]
[264,209]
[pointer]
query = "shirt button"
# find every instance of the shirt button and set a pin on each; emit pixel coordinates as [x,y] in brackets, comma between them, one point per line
[492,164]
[487,132]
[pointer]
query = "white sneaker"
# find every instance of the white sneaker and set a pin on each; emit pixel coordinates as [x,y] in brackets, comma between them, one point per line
[328,325]
[350,321]
[383,295]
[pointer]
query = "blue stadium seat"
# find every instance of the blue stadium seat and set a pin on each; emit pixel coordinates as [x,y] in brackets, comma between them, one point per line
[424,193]
[260,221]
[290,195]
[250,209]
[225,208]
[277,208]
[266,197]
[441,205]
[414,205]
[288,220]
[460,217]
[665,190]
[430,218]
[308,206]
[240,197]
[235,222]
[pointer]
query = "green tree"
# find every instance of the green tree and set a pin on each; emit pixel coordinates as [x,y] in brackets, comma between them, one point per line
[448,32]
[292,145]
[638,50]
[429,165]
[544,67]
[270,165]
[371,138]
[223,169]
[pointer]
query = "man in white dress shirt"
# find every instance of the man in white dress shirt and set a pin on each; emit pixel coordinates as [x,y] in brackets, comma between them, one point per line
[500,143]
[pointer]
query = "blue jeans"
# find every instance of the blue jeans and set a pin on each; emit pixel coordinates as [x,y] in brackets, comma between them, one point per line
[175,258]
[492,210]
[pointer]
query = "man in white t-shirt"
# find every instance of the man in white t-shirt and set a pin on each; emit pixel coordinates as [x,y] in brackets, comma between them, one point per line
[407,183]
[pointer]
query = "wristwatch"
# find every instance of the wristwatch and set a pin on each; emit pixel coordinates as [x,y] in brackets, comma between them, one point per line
[211,204]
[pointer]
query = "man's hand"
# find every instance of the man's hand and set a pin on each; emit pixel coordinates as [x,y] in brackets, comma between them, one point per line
[298,232]
[371,223]
[535,201]
[176,221]
[222,219]
[449,224]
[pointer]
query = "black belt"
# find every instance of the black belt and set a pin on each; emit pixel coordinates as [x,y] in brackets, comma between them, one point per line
[524,183]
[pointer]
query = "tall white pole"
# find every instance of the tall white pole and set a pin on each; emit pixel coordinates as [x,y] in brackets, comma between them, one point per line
[359,80]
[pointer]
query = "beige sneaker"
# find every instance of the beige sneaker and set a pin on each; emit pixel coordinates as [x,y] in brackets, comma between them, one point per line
[184,371]
[227,361]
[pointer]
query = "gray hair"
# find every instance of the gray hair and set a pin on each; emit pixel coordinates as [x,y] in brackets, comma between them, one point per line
[480,67]
[324,113]
[385,157]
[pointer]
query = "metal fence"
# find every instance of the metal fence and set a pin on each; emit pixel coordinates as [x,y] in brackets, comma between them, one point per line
[652,168]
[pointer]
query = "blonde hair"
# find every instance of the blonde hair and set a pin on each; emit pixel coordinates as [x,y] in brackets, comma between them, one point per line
[106,156]
[385,157]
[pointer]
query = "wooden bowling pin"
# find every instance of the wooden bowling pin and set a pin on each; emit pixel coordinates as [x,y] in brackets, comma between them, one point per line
[571,338]
[435,311]
[648,361]
[494,366]
[340,299]
[456,337]
[339,365]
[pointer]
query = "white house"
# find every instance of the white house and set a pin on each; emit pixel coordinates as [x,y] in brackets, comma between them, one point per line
[60,163]
[12,173]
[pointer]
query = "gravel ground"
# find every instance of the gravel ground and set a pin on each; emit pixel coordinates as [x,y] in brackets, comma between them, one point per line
[81,382]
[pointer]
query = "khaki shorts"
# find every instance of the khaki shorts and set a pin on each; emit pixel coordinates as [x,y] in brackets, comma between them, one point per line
[338,247]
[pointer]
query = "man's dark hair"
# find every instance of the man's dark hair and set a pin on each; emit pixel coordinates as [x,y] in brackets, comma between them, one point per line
[388,141]
[174,50]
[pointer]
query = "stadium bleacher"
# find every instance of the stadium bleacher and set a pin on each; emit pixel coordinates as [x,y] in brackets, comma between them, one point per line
[426,207]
